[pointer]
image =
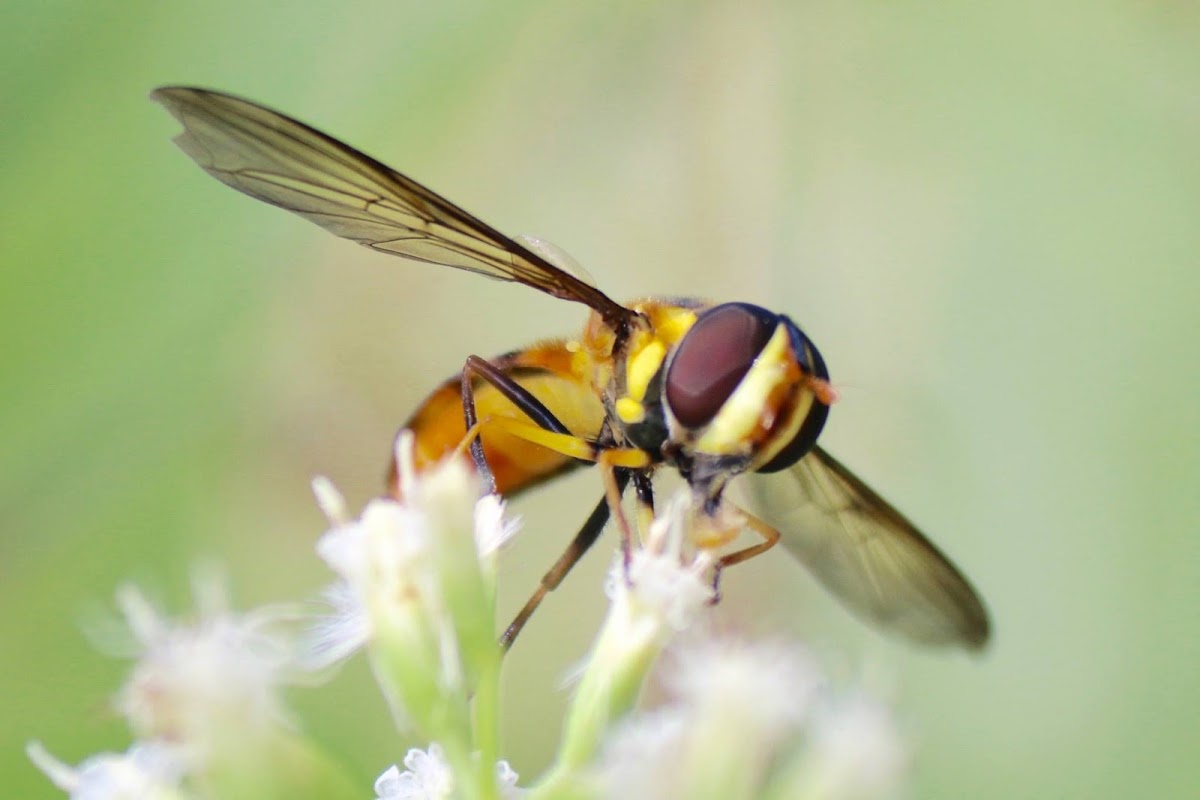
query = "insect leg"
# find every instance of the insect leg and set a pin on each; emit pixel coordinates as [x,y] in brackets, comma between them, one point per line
[770,538]
[645,501]
[615,463]
[609,462]
[580,544]
[514,393]
[565,443]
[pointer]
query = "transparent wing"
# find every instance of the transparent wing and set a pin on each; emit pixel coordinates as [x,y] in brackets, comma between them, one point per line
[281,161]
[868,555]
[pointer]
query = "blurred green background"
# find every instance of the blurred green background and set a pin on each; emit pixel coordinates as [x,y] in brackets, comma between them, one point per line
[986,216]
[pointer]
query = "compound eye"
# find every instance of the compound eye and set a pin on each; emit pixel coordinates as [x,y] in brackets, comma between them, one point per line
[713,357]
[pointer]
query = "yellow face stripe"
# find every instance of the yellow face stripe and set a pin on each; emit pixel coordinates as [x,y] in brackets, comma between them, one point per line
[647,351]
[642,368]
[734,430]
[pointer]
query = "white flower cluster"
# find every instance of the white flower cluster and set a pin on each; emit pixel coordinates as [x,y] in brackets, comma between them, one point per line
[194,680]
[428,777]
[415,590]
[144,772]
[754,720]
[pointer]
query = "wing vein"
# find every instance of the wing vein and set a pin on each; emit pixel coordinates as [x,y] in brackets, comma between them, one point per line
[868,555]
[288,164]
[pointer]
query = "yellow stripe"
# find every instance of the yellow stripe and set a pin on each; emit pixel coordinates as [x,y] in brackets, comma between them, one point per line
[731,431]
[642,367]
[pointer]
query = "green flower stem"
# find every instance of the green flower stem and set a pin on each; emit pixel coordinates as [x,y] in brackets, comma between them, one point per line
[624,652]
[406,661]
[486,709]
[721,767]
[562,785]
[405,658]
[467,589]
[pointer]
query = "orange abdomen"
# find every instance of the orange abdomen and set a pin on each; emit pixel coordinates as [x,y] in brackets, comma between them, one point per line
[547,371]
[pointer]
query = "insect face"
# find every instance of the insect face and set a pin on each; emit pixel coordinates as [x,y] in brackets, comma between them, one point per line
[746,388]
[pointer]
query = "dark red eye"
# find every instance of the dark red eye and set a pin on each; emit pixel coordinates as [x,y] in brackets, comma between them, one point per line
[712,359]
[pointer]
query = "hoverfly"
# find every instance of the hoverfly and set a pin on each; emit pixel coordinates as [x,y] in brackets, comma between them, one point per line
[711,390]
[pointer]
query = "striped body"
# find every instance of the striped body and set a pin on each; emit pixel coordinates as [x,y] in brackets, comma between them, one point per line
[587,381]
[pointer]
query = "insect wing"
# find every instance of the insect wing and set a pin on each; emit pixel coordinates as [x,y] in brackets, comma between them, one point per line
[868,555]
[281,161]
